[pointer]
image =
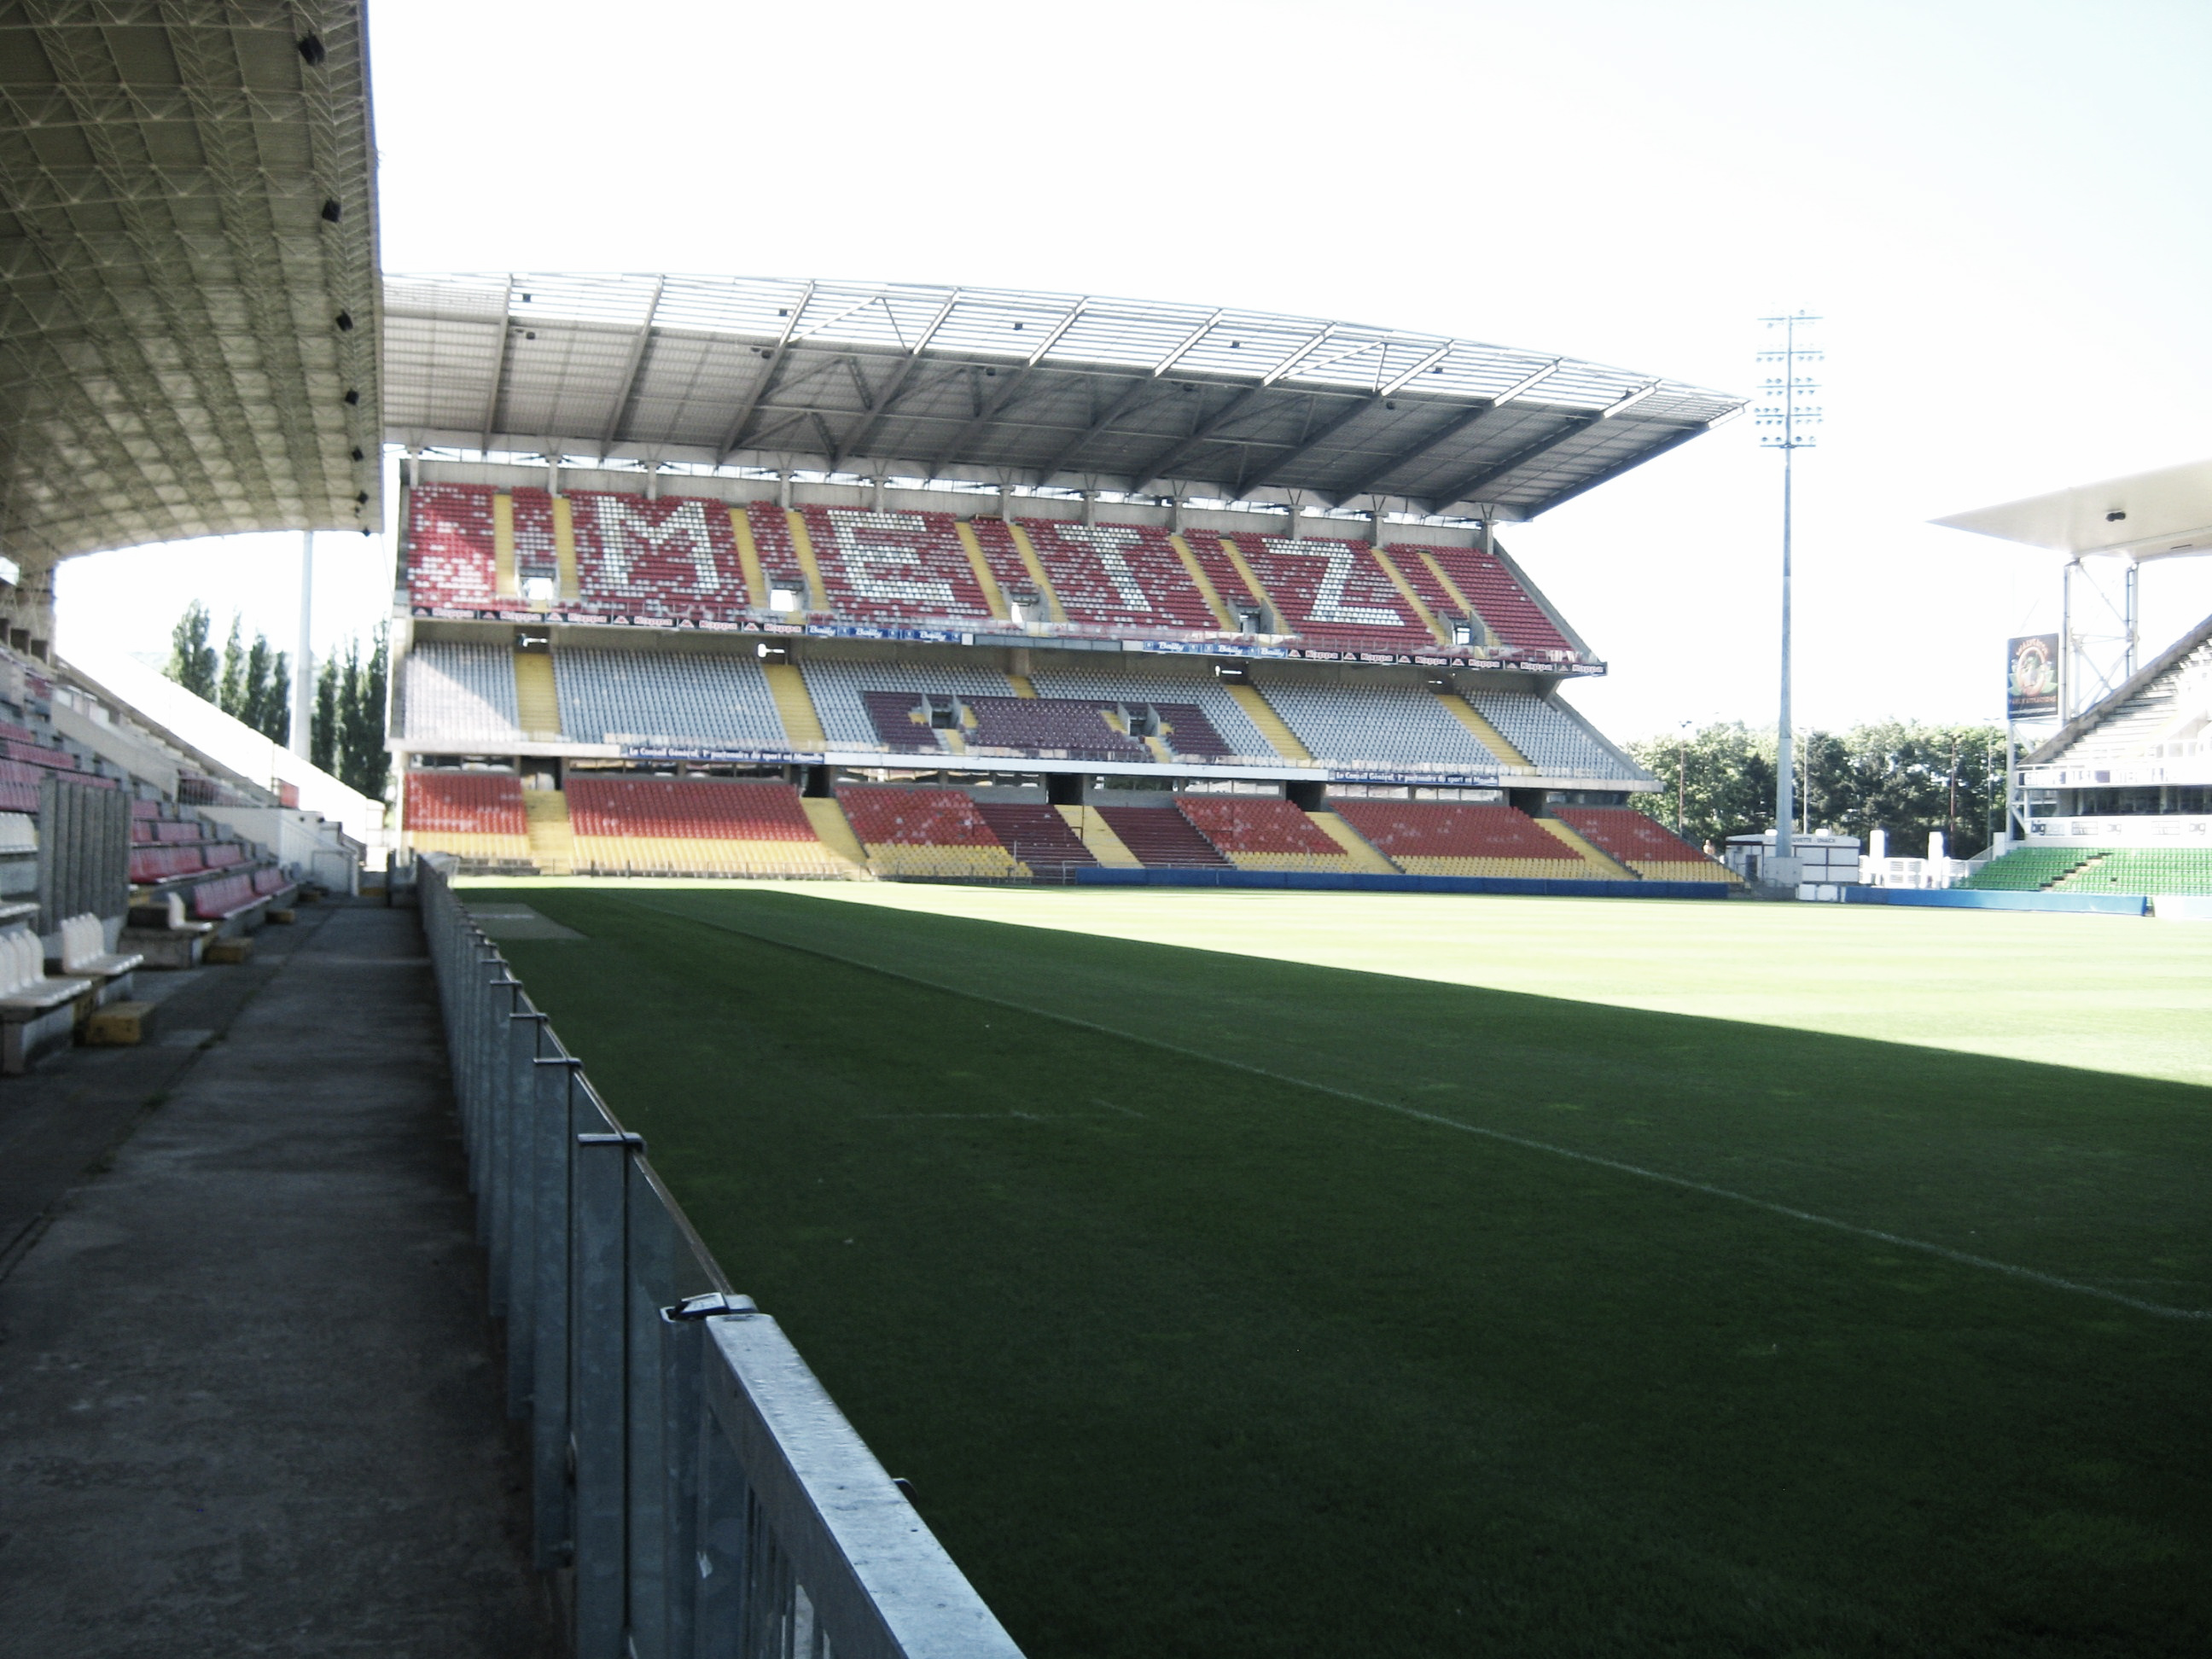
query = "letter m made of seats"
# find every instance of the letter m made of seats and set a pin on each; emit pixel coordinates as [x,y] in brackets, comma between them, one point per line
[626,532]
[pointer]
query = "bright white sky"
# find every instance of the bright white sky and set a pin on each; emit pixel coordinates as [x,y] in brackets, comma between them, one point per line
[1998,207]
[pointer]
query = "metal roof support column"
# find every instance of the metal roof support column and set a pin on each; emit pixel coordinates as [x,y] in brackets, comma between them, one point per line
[1297,510]
[876,499]
[1375,530]
[303,665]
[783,489]
[1174,514]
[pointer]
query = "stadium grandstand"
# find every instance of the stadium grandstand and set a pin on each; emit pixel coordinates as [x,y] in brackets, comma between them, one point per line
[2115,798]
[1026,555]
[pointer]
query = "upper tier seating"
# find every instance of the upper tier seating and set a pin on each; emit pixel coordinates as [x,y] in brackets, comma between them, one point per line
[1118,575]
[924,832]
[1642,842]
[1035,834]
[2175,706]
[894,567]
[1333,594]
[1261,832]
[1402,724]
[450,545]
[1454,838]
[459,690]
[1168,688]
[2029,869]
[676,556]
[694,826]
[1161,837]
[537,551]
[837,687]
[477,815]
[1489,587]
[717,699]
[1554,740]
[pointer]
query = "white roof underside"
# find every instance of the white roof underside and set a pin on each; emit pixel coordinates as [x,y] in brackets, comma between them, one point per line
[997,386]
[2159,514]
[171,275]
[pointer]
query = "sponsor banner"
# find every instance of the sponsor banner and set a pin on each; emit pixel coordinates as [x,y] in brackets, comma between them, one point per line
[2032,677]
[1461,780]
[709,755]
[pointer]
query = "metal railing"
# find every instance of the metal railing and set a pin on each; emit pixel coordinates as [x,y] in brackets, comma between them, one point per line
[693,1486]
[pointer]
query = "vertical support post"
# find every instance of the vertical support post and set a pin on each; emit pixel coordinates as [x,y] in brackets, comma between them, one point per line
[554,1143]
[1785,776]
[499,1117]
[526,1033]
[650,1268]
[599,1341]
[303,660]
[680,1352]
[2068,673]
[724,1545]
[2133,622]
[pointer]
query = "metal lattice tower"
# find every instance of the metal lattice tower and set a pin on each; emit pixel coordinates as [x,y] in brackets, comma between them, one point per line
[1787,421]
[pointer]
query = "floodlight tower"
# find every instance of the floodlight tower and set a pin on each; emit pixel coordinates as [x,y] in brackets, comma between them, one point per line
[1787,421]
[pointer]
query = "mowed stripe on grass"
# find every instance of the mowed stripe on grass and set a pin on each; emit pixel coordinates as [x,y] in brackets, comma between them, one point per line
[1182,1356]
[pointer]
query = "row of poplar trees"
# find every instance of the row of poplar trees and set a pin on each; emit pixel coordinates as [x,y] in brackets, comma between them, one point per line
[1903,776]
[252,683]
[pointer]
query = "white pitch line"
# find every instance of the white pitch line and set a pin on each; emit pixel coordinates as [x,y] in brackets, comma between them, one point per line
[2052,1281]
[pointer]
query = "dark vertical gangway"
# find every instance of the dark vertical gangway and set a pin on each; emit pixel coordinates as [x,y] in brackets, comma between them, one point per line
[248,1401]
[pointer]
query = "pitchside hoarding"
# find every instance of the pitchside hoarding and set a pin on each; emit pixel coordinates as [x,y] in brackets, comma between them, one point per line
[2032,677]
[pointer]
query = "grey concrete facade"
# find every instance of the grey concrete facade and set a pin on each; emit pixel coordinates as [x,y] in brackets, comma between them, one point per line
[247,1400]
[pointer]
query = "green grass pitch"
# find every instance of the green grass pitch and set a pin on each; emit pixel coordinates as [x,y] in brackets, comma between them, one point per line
[1327,1274]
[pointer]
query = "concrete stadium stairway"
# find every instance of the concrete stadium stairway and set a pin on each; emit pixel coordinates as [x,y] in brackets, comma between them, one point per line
[552,843]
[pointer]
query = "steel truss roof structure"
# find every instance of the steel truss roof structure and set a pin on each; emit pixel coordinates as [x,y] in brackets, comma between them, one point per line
[189,313]
[998,386]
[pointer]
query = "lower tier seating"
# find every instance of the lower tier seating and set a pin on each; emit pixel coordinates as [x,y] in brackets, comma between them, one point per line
[2029,869]
[694,826]
[926,832]
[1161,837]
[1036,835]
[1643,843]
[2181,870]
[477,815]
[1458,838]
[1261,832]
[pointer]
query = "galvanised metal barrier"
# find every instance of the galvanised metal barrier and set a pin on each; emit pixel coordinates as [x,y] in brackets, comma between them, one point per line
[693,1484]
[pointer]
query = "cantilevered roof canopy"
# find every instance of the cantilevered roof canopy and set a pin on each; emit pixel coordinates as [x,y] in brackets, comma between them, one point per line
[2149,515]
[1001,385]
[188,239]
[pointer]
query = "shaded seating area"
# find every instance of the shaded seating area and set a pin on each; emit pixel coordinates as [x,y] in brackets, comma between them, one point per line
[696,827]
[1459,838]
[1162,837]
[1643,843]
[477,817]
[1261,832]
[1038,836]
[926,832]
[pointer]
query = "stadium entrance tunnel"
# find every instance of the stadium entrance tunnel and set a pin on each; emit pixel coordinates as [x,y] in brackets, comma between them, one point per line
[1286,1307]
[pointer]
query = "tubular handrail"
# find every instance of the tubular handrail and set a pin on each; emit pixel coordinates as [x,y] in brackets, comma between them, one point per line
[694,1489]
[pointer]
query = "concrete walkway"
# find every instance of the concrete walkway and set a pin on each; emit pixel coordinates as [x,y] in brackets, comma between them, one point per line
[247,1404]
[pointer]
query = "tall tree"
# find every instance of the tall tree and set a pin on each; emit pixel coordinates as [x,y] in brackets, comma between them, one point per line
[323,732]
[192,658]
